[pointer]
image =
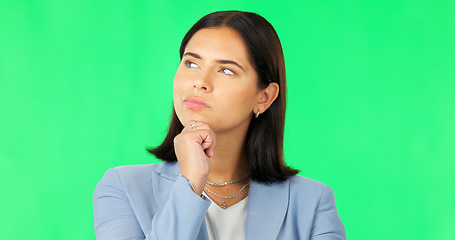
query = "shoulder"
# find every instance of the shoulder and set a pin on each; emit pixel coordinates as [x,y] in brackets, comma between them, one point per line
[133,174]
[132,171]
[313,203]
[307,190]
[299,183]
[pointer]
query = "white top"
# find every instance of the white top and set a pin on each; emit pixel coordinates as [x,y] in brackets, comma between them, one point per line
[226,224]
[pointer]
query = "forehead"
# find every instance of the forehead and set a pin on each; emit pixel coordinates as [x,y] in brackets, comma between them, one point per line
[219,43]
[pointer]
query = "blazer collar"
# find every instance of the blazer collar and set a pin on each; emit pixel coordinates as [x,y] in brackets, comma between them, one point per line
[267,207]
[267,204]
[162,181]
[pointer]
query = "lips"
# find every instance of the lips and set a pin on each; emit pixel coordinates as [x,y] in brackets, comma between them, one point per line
[195,103]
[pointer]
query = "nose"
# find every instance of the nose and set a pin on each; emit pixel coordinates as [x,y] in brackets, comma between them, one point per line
[203,82]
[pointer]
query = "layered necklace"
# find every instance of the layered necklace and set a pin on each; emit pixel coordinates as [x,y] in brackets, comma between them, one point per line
[223,202]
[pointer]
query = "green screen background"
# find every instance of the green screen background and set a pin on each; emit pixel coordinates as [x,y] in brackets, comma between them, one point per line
[87,85]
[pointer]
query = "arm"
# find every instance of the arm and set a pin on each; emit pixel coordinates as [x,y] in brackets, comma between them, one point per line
[327,224]
[180,218]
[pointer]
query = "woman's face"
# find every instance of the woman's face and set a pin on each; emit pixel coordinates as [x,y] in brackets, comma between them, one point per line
[215,82]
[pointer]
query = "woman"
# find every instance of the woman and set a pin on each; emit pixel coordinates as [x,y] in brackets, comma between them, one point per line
[224,146]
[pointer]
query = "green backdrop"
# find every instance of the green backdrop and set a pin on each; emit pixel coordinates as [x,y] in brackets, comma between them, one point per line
[87,85]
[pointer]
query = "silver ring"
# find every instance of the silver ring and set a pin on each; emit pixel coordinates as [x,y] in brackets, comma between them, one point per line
[192,126]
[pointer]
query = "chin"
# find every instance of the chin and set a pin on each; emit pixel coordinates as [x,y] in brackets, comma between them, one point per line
[188,117]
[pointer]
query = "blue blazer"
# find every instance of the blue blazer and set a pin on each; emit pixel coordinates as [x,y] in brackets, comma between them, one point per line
[154,202]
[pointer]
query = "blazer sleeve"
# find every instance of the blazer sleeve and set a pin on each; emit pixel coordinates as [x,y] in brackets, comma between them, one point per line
[327,224]
[181,217]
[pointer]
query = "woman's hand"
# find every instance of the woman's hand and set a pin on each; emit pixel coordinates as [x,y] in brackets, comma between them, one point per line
[194,147]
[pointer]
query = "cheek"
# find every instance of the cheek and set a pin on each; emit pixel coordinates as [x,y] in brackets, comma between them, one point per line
[177,91]
[177,79]
[242,98]
[178,83]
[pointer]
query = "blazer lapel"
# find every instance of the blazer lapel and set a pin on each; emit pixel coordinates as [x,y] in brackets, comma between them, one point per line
[163,181]
[267,207]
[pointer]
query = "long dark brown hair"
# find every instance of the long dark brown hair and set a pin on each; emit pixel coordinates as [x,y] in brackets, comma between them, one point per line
[264,142]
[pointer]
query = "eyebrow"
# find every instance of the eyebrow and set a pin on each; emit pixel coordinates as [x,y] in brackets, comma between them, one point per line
[195,55]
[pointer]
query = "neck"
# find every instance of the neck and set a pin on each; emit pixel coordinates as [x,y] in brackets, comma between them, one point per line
[229,160]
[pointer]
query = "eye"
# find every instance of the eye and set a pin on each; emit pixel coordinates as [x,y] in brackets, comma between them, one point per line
[190,64]
[227,71]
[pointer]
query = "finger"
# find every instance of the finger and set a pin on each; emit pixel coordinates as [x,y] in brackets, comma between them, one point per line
[209,143]
[201,133]
[191,126]
[194,125]
[200,125]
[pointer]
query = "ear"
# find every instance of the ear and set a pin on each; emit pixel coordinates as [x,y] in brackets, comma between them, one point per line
[267,97]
